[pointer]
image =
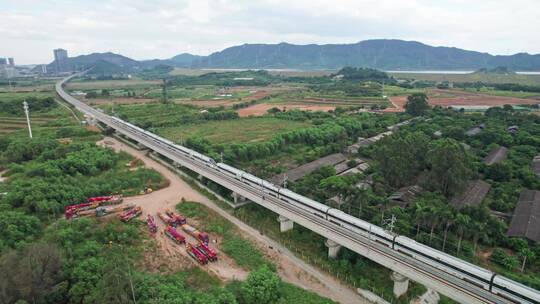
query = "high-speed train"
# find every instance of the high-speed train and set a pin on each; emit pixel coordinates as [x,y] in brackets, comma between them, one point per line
[496,284]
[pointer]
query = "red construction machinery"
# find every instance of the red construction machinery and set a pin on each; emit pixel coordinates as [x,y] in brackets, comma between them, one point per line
[196,254]
[201,236]
[176,217]
[130,214]
[151,223]
[102,211]
[175,235]
[109,199]
[169,221]
[91,203]
[207,251]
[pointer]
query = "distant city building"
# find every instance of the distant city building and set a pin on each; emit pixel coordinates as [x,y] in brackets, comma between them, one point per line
[11,61]
[60,60]
[3,61]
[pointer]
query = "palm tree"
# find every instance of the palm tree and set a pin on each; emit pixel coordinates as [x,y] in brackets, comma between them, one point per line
[449,216]
[462,221]
[434,219]
[422,214]
[479,232]
[526,254]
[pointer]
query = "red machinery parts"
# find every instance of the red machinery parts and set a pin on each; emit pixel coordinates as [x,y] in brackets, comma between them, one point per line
[174,235]
[152,227]
[101,211]
[92,203]
[111,199]
[201,236]
[130,214]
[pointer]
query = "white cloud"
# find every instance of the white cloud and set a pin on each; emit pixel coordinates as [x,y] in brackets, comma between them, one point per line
[30,29]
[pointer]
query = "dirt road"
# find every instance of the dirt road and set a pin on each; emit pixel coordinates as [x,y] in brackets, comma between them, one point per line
[291,269]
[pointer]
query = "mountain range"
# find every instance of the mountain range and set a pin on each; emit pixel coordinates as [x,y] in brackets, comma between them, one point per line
[380,54]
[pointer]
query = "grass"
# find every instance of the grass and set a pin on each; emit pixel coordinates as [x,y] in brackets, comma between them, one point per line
[242,130]
[41,121]
[21,96]
[293,294]
[245,254]
[474,77]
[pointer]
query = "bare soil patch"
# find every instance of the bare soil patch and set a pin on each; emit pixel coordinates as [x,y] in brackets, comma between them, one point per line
[167,198]
[122,100]
[262,108]
[462,98]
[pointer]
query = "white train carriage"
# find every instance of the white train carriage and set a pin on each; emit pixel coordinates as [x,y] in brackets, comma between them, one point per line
[372,232]
[445,262]
[514,291]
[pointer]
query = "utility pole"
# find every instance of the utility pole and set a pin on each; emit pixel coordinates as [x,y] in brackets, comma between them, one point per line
[285,178]
[25,107]
[221,156]
[390,223]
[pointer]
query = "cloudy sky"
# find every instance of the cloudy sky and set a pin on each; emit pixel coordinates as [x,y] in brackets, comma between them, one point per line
[142,29]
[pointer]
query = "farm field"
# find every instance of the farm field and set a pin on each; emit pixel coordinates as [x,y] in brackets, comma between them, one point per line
[232,131]
[445,98]
[107,84]
[262,108]
[473,77]
[21,96]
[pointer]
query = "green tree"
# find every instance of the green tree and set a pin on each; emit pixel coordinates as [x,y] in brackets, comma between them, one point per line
[450,166]
[417,104]
[262,287]
[401,156]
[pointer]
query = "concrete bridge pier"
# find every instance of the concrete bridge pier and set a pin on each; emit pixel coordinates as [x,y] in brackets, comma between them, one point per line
[90,120]
[401,284]
[237,197]
[285,224]
[333,248]
[140,146]
[430,297]
[177,165]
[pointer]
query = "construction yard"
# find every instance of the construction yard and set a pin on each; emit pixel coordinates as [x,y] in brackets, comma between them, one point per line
[227,267]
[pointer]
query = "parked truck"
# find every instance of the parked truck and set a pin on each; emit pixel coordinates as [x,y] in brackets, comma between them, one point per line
[196,254]
[176,217]
[166,219]
[201,236]
[207,251]
[175,235]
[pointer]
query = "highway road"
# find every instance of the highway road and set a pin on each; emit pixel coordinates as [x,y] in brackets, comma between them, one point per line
[417,270]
